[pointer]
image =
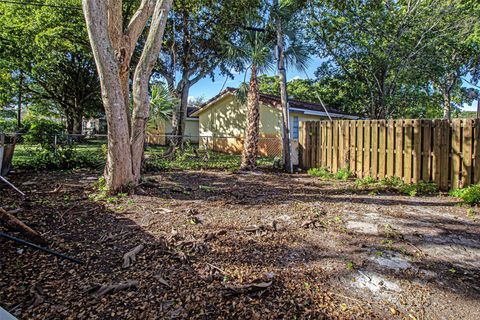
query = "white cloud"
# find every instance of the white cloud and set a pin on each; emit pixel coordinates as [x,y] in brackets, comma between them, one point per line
[296,78]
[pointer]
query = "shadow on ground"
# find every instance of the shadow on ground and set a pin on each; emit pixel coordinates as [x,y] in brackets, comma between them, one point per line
[360,256]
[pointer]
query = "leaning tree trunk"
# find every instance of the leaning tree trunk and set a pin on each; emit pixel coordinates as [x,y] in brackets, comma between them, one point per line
[250,147]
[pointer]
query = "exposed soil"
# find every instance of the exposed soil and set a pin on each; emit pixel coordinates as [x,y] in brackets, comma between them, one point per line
[239,246]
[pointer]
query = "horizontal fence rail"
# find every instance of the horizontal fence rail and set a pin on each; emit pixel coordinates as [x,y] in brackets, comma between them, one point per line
[440,151]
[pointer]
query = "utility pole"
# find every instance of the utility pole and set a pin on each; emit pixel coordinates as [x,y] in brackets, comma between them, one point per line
[282,74]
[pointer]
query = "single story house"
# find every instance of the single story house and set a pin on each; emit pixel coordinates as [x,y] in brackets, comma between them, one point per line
[160,135]
[223,119]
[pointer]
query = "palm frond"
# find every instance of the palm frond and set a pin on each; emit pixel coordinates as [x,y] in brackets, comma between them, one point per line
[162,103]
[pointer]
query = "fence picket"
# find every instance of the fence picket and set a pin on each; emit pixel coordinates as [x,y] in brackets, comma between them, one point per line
[426,150]
[359,165]
[467,153]
[374,145]
[382,155]
[417,151]
[335,146]
[407,153]
[399,139]
[391,148]
[456,153]
[476,151]
[353,144]
[366,148]
[445,150]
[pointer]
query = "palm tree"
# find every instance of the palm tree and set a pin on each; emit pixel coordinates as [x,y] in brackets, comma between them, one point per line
[255,50]
[285,14]
[162,103]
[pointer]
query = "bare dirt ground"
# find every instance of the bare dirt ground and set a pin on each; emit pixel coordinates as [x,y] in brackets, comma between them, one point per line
[239,246]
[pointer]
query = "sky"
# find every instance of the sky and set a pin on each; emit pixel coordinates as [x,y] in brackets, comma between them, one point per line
[207,88]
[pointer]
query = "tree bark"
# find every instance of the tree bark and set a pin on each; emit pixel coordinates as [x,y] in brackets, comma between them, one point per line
[118,170]
[112,50]
[77,124]
[282,74]
[141,99]
[446,105]
[250,148]
[179,117]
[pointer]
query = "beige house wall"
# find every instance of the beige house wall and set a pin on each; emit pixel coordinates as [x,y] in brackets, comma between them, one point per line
[226,121]
[159,136]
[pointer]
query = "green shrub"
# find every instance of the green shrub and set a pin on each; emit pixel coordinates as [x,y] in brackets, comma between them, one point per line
[361,182]
[421,188]
[66,157]
[469,195]
[43,132]
[343,174]
[320,172]
[392,182]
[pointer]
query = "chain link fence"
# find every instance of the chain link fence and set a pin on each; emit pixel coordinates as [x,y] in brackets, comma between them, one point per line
[66,151]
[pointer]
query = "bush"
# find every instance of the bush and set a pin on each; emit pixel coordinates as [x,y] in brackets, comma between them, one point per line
[66,157]
[470,195]
[42,132]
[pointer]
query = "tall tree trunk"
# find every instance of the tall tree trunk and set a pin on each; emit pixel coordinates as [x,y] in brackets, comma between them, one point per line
[282,74]
[250,147]
[141,78]
[70,123]
[446,105]
[112,50]
[179,117]
[77,124]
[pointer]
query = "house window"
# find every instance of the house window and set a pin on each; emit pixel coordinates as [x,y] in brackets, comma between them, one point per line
[295,128]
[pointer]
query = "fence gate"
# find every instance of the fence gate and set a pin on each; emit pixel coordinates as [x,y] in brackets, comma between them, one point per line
[441,151]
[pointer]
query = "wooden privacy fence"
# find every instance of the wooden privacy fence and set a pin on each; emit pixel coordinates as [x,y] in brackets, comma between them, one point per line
[441,151]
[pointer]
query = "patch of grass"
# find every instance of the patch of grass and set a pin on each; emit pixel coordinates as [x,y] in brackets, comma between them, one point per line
[342,174]
[472,215]
[350,265]
[470,195]
[190,159]
[320,173]
[362,182]
[395,184]
[423,188]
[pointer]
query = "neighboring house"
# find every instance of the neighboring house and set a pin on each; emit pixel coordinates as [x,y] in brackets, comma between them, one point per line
[160,136]
[94,126]
[223,119]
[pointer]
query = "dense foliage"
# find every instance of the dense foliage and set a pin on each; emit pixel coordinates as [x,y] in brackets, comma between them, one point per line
[46,62]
